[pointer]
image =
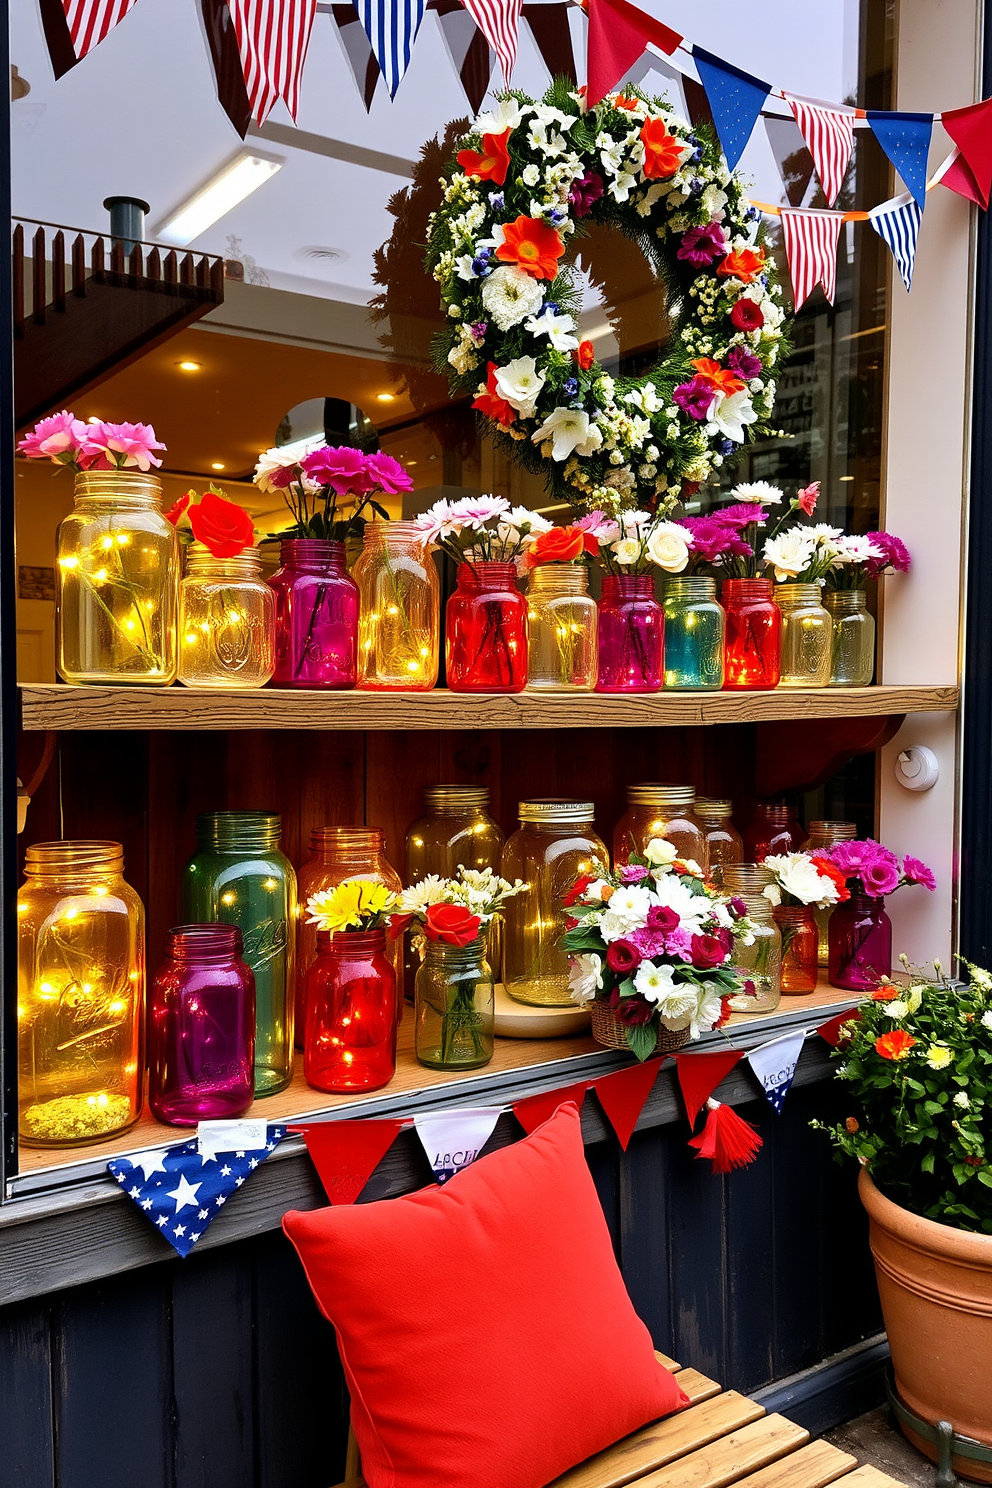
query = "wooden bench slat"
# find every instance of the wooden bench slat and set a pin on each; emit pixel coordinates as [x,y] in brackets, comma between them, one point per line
[870,1477]
[697,1386]
[813,1466]
[668,1363]
[730,1457]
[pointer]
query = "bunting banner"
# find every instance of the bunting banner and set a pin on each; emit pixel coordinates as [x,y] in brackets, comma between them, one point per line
[831,1030]
[453,1140]
[774,1064]
[829,134]
[971,130]
[898,225]
[726,1139]
[553,37]
[222,45]
[91,21]
[618,34]
[735,98]
[700,1074]
[534,1109]
[468,49]
[811,248]
[273,36]
[499,22]
[622,1096]
[347,1153]
[358,51]
[391,27]
[905,138]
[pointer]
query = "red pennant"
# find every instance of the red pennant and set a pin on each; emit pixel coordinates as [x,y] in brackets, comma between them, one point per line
[618,34]
[347,1153]
[971,130]
[622,1096]
[537,1108]
[831,1029]
[700,1074]
[727,1139]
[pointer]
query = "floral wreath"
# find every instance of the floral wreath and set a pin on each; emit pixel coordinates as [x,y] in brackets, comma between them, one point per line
[528,177]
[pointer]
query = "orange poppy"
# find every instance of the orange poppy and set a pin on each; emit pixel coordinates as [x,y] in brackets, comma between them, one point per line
[493,163]
[662,151]
[491,404]
[585,355]
[721,379]
[533,245]
[626,103]
[884,994]
[743,264]
[895,1045]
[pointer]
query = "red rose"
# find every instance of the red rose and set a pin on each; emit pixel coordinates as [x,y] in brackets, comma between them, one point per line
[747,316]
[632,1010]
[179,508]
[707,951]
[452,923]
[623,958]
[577,890]
[221,525]
[585,355]
[557,545]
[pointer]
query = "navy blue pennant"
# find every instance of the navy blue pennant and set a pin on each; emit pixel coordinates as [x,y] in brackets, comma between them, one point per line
[905,138]
[736,99]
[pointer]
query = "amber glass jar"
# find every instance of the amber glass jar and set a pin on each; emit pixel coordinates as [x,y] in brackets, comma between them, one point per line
[665,811]
[723,841]
[455,831]
[555,843]
[823,835]
[774,828]
[797,927]
[227,618]
[80,994]
[805,636]
[398,615]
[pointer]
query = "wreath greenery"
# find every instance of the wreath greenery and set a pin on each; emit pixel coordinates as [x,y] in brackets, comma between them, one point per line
[530,177]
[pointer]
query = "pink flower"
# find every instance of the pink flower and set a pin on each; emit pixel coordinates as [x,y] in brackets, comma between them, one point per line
[742,361]
[701,245]
[648,942]
[895,555]
[599,526]
[711,540]
[387,474]
[632,873]
[343,468]
[916,872]
[741,514]
[679,943]
[585,193]
[60,438]
[880,877]
[852,857]
[695,398]
[807,498]
[121,446]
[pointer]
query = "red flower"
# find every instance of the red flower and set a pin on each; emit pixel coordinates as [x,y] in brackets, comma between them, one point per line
[725,1011]
[623,958]
[585,355]
[533,245]
[622,101]
[806,500]
[452,923]
[835,875]
[747,316]
[178,509]
[707,951]
[744,265]
[895,1045]
[630,1010]
[221,525]
[577,890]
[561,545]
[662,151]
[491,404]
[884,994]
[492,164]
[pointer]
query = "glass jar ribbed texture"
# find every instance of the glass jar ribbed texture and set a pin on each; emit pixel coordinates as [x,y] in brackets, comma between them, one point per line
[399,609]
[226,621]
[316,615]
[631,635]
[665,811]
[486,630]
[561,629]
[455,1008]
[852,642]
[752,655]
[695,627]
[805,643]
[351,1013]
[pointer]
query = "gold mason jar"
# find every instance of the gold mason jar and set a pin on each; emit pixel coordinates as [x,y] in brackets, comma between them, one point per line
[399,609]
[227,620]
[806,632]
[666,811]
[561,629]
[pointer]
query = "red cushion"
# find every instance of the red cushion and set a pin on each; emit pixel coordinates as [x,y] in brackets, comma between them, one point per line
[484,1328]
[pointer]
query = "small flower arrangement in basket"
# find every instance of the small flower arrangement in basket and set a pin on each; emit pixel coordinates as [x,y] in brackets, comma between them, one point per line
[651,948]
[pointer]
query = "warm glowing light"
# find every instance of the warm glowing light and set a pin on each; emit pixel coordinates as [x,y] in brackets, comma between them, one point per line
[227,898]
[188,366]
[107,543]
[71,562]
[71,912]
[217,465]
[93,419]
[386,397]
[270,884]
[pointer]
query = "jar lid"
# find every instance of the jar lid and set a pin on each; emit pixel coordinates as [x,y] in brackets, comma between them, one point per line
[79,856]
[711,806]
[556,811]
[648,794]
[239,829]
[460,797]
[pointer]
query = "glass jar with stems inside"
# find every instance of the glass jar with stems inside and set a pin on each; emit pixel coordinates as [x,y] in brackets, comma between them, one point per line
[805,636]
[695,627]
[758,965]
[561,629]
[823,835]
[852,638]
[226,621]
[398,619]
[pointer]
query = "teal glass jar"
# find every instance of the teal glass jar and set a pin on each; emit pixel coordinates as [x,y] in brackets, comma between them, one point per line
[238,876]
[694,634]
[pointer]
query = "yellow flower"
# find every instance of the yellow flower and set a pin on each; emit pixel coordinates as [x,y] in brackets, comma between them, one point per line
[938,1057]
[349,905]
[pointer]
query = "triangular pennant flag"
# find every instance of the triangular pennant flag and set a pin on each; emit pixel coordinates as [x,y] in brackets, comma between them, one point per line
[347,1153]
[958,177]
[700,1074]
[831,1030]
[358,50]
[91,21]
[553,37]
[181,1190]
[971,130]
[618,34]
[273,36]
[811,248]
[499,22]
[736,99]
[622,1096]
[391,26]
[795,163]
[223,47]
[454,1139]
[898,224]
[57,37]
[468,50]
[905,138]
[829,133]
[775,1063]
[535,1109]
[727,1139]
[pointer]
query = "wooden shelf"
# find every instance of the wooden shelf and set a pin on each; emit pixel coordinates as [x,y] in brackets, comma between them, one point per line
[46,706]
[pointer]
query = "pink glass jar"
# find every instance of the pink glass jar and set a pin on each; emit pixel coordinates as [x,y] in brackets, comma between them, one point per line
[486,630]
[351,1013]
[754,630]
[316,616]
[859,938]
[631,635]
[201,1054]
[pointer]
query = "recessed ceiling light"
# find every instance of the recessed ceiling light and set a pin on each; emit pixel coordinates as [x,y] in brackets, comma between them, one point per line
[188,366]
[386,397]
[845,477]
[238,179]
[410,462]
[217,465]
[93,419]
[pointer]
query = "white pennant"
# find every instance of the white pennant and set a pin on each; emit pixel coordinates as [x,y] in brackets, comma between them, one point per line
[775,1063]
[454,1139]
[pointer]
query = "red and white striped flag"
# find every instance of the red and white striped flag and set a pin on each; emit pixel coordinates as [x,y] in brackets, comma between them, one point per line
[90,21]
[499,22]
[811,248]
[829,133]
[273,36]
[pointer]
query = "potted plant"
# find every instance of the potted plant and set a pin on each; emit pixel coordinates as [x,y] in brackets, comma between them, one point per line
[918,1062]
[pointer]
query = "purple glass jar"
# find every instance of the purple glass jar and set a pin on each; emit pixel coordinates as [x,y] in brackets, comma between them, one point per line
[201,1054]
[316,616]
[631,635]
[859,941]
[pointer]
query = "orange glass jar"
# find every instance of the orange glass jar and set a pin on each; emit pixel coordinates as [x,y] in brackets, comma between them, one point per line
[800,939]
[665,811]
[823,835]
[775,828]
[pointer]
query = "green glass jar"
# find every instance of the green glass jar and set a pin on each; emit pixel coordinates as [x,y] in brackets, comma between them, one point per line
[455,1011]
[852,644]
[239,877]
[694,634]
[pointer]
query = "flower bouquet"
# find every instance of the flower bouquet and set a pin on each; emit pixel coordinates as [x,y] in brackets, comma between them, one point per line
[66,440]
[650,947]
[328,488]
[801,884]
[860,932]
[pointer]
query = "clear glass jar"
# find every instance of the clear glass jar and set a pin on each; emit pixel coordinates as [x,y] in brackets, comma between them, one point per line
[852,643]
[752,655]
[117,582]
[759,966]
[201,1028]
[823,835]
[238,876]
[555,843]
[399,609]
[631,635]
[561,629]
[805,643]
[226,621]
[723,841]
[797,926]
[695,627]
[337,854]
[746,878]
[316,615]
[860,943]
[485,630]
[455,1006]
[775,828]
[665,811]
[80,994]
[455,831]
[351,1013]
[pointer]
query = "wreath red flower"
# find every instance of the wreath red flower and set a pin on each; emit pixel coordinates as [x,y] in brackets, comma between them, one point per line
[491,404]
[743,264]
[720,379]
[662,151]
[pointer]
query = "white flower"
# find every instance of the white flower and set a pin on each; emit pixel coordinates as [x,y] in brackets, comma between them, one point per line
[676,1004]
[962,1101]
[773,894]
[510,294]
[569,429]
[731,414]
[272,460]
[915,1000]
[800,877]
[713,201]
[673,893]
[506,115]
[522,520]
[548,115]
[585,977]
[627,550]
[626,911]
[897,1009]
[557,328]
[531,175]
[437,521]
[653,982]
[668,546]
[466,267]
[633,521]
[660,851]
[759,493]
[430,890]
[986,1017]
[475,511]
[622,185]
[789,553]
[520,383]
[708,1010]
[855,550]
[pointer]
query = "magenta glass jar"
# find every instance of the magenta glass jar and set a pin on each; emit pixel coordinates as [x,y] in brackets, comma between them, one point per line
[631,635]
[485,622]
[859,942]
[316,616]
[201,1054]
[753,654]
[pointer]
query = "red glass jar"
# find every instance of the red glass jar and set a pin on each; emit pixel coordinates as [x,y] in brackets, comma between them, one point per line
[485,643]
[800,942]
[316,616]
[774,829]
[351,1013]
[631,635]
[859,944]
[754,631]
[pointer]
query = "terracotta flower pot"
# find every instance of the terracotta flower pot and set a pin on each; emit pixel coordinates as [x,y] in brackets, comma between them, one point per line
[935,1283]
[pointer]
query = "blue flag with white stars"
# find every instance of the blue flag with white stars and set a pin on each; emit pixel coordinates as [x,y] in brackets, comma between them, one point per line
[181,1189]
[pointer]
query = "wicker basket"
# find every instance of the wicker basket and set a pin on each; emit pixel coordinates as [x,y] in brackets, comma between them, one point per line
[607,1029]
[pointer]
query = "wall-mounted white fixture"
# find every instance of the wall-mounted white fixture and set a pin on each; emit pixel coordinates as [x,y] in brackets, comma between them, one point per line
[238,179]
[917,768]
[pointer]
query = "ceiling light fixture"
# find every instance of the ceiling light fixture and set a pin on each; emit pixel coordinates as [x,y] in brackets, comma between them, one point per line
[188,366]
[845,477]
[386,397]
[217,465]
[93,419]
[238,179]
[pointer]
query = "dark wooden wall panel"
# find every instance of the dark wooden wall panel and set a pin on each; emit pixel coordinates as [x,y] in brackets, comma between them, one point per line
[27,1452]
[212,1371]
